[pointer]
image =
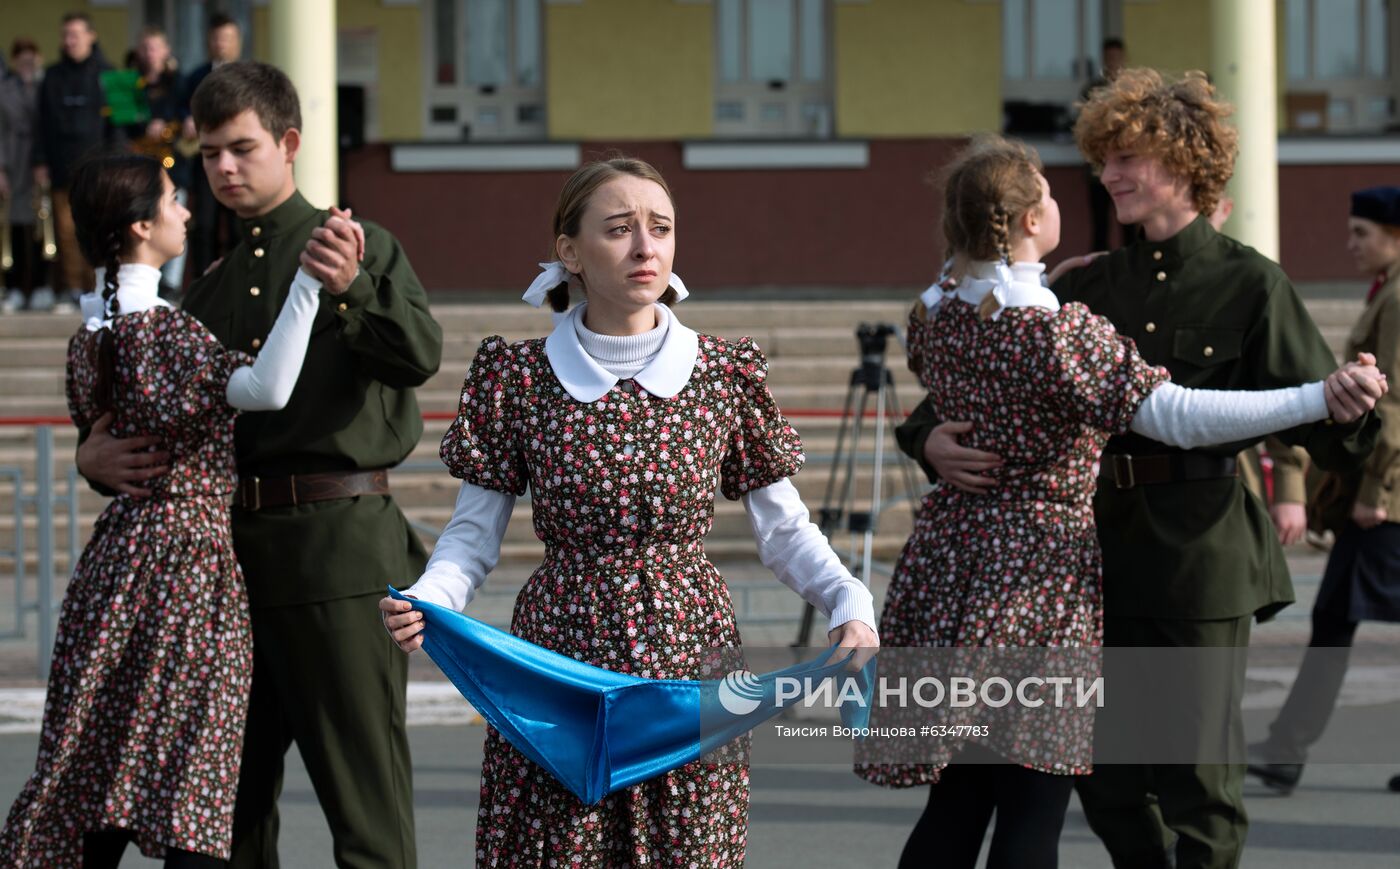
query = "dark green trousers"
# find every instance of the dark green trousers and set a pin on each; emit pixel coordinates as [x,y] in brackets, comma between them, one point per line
[1143,811]
[327,677]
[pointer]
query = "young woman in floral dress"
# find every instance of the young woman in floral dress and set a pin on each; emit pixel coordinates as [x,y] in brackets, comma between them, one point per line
[1019,566]
[148,689]
[623,423]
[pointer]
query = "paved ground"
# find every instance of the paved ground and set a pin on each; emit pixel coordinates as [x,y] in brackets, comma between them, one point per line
[822,816]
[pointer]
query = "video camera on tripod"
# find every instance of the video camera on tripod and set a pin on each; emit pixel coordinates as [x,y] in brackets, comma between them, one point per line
[871,377]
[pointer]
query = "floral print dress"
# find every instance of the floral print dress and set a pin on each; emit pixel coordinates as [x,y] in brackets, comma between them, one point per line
[1019,566]
[623,492]
[148,689]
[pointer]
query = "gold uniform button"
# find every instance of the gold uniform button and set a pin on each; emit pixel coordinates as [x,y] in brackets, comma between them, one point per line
[257,342]
[258,252]
[254,291]
[1151,327]
[1209,352]
[342,306]
[1156,254]
[257,231]
[1161,276]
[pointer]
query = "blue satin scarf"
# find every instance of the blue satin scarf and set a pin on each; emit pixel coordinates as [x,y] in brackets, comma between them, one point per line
[598,731]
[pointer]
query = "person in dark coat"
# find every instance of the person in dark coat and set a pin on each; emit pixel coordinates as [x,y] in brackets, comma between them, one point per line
[213,231]
[1362,580]
[72,124]
[19,120]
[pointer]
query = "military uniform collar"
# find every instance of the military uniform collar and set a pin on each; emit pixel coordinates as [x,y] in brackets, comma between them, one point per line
[1196,235]
[287,216]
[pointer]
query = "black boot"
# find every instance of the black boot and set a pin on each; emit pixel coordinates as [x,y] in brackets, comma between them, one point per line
[1281,777]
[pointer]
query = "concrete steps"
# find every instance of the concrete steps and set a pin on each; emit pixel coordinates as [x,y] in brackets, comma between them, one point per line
[811,345]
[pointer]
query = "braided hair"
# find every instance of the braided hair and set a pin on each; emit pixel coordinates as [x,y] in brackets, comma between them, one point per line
[109,193]
[987,190]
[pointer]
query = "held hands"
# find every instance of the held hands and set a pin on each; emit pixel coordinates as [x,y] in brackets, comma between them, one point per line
[121,463]
[404,624]
[333,254]
[855,635]
[961,466]
[1353,389]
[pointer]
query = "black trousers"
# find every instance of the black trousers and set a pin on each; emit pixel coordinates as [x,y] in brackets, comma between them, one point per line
[1029,807]
[1309,706]
[29,269]
[103,850]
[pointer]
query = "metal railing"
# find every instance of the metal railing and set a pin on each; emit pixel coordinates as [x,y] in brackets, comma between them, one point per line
[43,502]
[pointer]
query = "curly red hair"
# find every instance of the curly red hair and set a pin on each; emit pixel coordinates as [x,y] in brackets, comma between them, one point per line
[1180,122]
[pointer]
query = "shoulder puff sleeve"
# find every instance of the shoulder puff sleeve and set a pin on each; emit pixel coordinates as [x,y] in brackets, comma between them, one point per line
[201,368]
[763,447]
[1096,375]
[482,446]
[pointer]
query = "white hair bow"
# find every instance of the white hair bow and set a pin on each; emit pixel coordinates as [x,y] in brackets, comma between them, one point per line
[553,274]
[1002,291]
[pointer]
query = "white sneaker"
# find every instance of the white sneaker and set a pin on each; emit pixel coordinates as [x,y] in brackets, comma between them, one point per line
[64,306]
[14,301]
[42,300]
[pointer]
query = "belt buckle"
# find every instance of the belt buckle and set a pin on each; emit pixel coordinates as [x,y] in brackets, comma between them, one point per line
[1123,471]
[257,494]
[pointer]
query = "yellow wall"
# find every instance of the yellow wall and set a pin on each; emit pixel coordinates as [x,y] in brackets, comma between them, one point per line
[629,69]
[917,67]
[42,20]
[400,31]
[1170,35]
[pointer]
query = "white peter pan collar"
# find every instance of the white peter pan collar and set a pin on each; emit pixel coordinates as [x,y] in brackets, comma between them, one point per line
[138,289]
[587,381]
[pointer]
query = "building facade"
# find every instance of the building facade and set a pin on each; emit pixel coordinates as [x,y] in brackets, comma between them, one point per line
[798,135]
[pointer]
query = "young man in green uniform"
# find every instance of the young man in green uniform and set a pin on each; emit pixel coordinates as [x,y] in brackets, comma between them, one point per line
[314,526]
[1189,557]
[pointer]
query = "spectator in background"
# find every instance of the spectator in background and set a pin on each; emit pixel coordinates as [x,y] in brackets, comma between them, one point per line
[1100,204]
[1362,579]
[160,137]
[213,231]
[25,282]
[71,124]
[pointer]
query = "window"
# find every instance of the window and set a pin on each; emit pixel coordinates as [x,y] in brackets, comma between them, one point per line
[1050,50]
[1337,52]
[772,69]
[485,76]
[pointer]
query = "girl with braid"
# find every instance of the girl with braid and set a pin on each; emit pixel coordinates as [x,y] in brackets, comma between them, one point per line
[148,686]
[1043,386]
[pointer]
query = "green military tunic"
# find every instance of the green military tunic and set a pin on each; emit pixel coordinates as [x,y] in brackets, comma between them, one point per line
[325,675]
[353,408]
[1219,316]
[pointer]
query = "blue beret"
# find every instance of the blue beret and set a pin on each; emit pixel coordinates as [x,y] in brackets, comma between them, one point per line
[1381,204]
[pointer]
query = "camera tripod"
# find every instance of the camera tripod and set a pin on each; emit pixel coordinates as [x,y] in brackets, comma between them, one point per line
[871,377]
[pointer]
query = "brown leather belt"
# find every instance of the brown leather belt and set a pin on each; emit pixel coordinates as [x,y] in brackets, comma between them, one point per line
[256,493]
[1125,471]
